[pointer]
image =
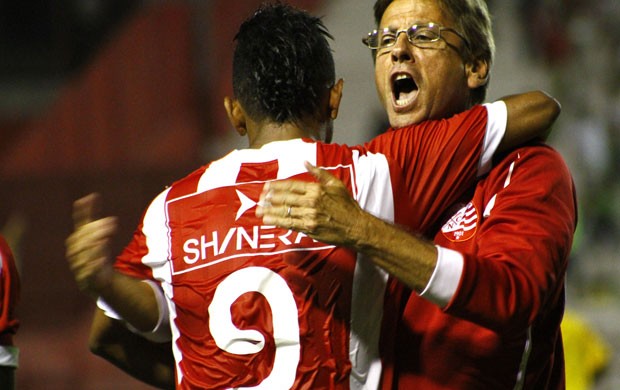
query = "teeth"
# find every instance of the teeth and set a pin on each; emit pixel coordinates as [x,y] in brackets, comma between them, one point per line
[401,83]
[402,102]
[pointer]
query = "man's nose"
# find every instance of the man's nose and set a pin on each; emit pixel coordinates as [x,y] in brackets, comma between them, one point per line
[401,51]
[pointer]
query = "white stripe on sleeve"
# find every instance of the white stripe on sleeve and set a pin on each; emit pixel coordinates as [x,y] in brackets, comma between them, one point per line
[496,128]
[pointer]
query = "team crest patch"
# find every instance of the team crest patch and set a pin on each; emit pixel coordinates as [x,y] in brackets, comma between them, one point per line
[462,226]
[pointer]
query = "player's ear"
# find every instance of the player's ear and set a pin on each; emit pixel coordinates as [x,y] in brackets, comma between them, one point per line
[236,115]
[477,72]
[335,96]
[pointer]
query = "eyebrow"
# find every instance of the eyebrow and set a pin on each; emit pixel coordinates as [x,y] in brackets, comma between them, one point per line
[418,22]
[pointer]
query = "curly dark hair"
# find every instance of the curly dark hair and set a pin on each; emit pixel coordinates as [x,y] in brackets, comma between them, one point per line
[283,64]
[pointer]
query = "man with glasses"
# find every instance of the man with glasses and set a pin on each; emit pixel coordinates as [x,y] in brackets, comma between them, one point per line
[487,296]
[251,305]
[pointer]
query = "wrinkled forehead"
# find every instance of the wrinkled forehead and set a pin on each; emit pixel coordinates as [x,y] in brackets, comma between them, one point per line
[404,13]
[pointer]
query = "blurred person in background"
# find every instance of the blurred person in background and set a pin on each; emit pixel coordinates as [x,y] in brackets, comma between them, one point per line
[9,297]
[487,296]
[588,355]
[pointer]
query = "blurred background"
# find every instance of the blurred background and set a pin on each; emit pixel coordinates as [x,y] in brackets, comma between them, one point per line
[124,96]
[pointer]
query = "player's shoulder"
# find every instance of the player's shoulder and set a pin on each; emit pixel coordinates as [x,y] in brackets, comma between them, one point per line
[536,159]
[334,153]
[538,152]
[183,186]
[191,178]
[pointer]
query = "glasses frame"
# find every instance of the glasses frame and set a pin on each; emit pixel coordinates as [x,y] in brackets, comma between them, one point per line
[367,40]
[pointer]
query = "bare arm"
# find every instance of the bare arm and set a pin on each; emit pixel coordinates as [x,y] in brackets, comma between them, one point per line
[326,212]
[150,362]
[530,116]
[89,259]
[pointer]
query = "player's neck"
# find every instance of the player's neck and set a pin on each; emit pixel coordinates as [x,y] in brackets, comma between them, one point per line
[272,132]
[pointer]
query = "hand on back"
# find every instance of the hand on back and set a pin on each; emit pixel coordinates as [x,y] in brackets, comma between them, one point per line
[322,210]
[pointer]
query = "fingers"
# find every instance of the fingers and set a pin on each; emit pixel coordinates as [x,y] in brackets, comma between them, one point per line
[324,177]
[295,204]
[85,209]
[291,185]
[321,175]
[297,192]
[89,233]
[88,253]
[95,234]
[286,193]
[88,247]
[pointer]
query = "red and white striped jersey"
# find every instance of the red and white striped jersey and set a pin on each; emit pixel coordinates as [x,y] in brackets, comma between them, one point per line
[254,306]
[9,296]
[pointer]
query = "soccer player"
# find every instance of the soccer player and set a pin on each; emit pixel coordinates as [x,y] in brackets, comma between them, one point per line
[254,305]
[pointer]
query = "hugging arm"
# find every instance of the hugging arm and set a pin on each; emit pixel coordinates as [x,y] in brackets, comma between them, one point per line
[529,117]
[325,210]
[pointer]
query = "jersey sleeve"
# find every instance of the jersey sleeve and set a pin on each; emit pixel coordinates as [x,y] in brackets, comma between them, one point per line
[129,262]
[441,159]
[9,297]
[136,258]
[523,245]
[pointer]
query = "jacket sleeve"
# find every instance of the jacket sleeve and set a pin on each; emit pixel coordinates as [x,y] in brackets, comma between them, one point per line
[520,260]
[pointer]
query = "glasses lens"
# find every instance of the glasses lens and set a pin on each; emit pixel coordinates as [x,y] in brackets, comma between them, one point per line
[380,39]
[424,36]
[372,40]
[386,38]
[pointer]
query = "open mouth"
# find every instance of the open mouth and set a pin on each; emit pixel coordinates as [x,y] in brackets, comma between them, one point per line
[404,89]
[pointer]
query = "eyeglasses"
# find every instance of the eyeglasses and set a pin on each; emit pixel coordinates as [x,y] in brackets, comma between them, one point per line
[420,35]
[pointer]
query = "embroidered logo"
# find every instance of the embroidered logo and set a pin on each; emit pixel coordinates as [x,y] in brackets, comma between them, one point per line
[463,225]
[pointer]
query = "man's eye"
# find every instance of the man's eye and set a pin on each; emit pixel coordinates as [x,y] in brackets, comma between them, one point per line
[387,39]
[424,36]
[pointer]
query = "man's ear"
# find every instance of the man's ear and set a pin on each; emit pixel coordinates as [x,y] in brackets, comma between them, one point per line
[477,73]
[335,96]
[236,115]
